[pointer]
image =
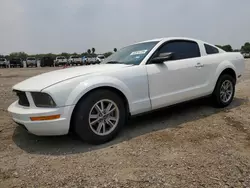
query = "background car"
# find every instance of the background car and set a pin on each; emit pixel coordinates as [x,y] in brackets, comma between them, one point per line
[100,58]
[47,61]
[84,60]
[246,55]
[60,60]
[75,60]
[31,61]
[4,62]
[91,59]
[16,62]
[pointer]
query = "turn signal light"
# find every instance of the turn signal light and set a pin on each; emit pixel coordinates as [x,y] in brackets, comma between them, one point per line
[43,118]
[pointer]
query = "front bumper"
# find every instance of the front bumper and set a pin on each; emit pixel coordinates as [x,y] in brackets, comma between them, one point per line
[31,63]
[21,115]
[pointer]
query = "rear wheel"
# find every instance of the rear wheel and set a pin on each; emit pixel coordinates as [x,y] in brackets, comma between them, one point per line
[224,91]
[99,116]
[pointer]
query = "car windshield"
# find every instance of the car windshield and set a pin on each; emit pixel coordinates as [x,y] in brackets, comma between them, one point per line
[2,59]
[133,54]
[60,57]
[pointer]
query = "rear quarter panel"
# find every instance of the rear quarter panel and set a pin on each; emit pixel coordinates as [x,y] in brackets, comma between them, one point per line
[232,60]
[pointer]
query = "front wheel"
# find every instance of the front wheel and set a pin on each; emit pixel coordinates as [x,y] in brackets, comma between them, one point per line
[99,116]
[224,91]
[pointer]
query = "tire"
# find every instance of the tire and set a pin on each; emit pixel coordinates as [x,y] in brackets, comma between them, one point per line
[81,121]
[218,100]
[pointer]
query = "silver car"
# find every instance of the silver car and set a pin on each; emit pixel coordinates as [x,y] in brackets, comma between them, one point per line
[4,63]
[31,61]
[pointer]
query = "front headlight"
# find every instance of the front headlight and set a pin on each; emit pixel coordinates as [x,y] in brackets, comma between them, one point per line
[43,99]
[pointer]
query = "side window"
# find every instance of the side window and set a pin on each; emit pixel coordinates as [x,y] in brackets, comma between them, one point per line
[211,49]
[182,49]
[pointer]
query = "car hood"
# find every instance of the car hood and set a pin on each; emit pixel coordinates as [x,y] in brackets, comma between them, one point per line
[39,82]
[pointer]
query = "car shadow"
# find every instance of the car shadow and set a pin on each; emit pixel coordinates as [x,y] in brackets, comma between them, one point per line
[165,118]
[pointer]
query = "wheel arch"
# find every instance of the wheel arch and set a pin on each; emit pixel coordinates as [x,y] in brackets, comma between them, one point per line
[230,72]
[225,68]
[81,92]
[113,89]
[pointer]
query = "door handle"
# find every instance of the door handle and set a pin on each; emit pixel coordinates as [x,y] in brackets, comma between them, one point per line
[198,65]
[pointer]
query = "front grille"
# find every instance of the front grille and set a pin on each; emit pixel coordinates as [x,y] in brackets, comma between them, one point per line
[22,98]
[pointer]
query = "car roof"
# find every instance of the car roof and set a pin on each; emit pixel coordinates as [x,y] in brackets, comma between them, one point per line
[168,38]
[180,38]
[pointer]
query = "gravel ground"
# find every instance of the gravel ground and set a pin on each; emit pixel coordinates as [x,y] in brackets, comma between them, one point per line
[189,145]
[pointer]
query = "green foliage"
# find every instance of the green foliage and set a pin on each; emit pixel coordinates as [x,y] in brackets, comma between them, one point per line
[21,55]
[67,55]
[93,50]
[89,51]
[246,48]
[84,54]
[107,54]
[227,48]
[115,49]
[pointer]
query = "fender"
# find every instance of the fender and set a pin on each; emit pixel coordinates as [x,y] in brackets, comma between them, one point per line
[222,66]
[96,82]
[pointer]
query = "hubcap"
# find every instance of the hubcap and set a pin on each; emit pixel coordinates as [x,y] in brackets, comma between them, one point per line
[226,91]
[104,117]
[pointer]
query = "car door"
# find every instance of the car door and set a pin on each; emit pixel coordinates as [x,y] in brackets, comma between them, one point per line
[178,79]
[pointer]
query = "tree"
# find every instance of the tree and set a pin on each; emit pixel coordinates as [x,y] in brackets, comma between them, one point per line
[84,54]
[107,54]
[21,55]
[93,50]
[65,54]
[219,46]
[89,51]
[227,48]
[115,50]
[246,48]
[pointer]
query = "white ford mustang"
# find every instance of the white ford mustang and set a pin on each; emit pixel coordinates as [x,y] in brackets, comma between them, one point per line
[96,100]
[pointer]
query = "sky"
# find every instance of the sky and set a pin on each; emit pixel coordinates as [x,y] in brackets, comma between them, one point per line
[55,26]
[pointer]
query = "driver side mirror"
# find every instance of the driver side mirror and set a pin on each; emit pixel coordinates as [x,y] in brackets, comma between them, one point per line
[162,57]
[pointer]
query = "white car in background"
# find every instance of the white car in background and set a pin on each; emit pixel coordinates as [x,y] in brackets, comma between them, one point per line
[60,60]
[95,101]
[100,58]
[246,55]
[31,61]
[75,60]
[90,60]
[3,62]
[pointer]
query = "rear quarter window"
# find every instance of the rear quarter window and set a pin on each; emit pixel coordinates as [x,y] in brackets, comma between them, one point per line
[211,49]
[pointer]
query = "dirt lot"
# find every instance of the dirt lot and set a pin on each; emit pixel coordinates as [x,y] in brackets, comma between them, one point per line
[190,145]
